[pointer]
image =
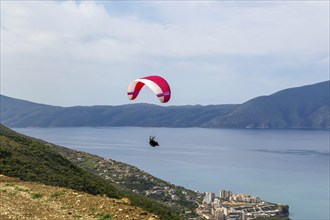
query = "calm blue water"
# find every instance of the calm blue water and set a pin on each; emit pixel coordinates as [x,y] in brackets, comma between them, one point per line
[282,166]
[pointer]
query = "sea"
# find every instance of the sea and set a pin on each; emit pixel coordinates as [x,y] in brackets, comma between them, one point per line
[280,166]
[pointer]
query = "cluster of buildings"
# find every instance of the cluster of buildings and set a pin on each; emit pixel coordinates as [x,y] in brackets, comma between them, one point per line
[230,196]
[231,206]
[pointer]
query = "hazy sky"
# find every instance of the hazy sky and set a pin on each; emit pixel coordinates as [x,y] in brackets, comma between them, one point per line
[211,52]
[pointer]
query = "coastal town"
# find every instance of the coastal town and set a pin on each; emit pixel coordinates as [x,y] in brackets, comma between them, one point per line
[231,206]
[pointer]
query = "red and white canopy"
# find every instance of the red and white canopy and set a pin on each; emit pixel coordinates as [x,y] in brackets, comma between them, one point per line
[156,83]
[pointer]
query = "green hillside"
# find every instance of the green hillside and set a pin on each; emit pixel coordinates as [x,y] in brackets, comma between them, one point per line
[32,160]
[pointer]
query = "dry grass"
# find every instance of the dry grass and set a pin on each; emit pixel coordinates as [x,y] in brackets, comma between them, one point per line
[26,200]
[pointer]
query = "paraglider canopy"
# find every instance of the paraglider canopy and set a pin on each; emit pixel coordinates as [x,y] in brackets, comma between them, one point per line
[157,84]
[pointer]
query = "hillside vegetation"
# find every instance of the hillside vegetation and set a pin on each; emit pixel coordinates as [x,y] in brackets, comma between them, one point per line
[301,107]
[33,160]
[30,160]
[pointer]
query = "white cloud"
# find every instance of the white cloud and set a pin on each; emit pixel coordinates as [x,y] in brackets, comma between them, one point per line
[261,28]
[70,44]
[213,28]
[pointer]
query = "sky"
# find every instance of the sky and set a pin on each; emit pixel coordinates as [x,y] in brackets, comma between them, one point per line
[69,53]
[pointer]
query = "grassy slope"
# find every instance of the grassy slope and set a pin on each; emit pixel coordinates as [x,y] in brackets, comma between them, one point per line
[29,200]
[31,160]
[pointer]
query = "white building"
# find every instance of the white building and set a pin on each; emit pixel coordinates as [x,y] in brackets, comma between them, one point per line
[209,198]
[225,194]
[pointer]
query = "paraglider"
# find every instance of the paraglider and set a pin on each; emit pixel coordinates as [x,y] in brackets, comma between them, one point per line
[152,142]
[157,84]
[160,88]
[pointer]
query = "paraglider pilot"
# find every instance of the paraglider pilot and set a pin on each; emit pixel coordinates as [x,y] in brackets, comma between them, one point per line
[152,142]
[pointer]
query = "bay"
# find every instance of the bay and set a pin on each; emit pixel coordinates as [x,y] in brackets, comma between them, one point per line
[281,166]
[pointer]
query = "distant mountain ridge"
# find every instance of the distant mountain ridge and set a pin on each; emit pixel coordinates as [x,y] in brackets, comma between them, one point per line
[301,107]
[21,113]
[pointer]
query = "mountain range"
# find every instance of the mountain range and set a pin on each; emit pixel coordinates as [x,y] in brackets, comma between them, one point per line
[301,107]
